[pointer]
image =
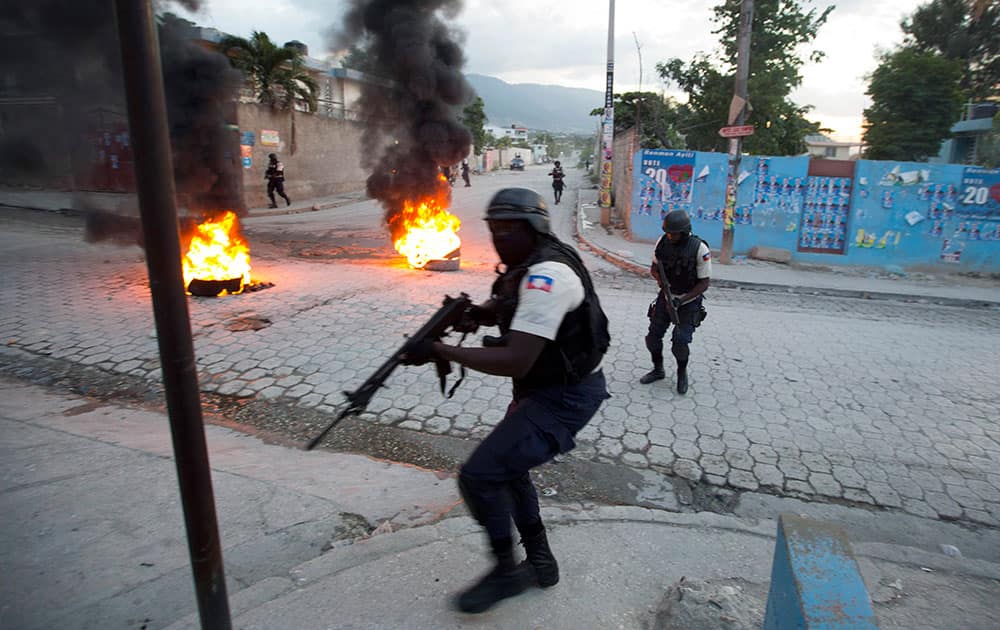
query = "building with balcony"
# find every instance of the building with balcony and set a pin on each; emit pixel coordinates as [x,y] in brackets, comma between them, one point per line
[967,143]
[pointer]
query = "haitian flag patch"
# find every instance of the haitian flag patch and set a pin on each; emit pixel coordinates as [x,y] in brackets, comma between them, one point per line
[543,283]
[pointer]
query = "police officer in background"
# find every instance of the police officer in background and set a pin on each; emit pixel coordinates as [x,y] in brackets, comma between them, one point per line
[553,338]
[275,176]
[687,262]
[465,173]
[558,175]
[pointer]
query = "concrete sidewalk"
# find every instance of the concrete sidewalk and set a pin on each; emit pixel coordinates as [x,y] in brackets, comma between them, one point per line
[94,538]
[610,243]
[128,203]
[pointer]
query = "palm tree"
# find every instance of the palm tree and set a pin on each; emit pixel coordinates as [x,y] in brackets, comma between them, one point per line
[278,75]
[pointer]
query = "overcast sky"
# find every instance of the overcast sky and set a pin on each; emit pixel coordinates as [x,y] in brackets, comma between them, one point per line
[565,43]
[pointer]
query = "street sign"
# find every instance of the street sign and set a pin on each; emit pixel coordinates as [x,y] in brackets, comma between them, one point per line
[736,132]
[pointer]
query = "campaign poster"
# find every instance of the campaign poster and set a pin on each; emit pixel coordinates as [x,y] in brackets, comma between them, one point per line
[825,214]
[979,193]
[666,181]
[269,138]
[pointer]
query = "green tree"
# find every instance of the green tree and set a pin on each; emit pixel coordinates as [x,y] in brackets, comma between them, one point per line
[915,100]
[474,119]
[963,30]
[277,75]
[656,115]
[552,144]
[781,29]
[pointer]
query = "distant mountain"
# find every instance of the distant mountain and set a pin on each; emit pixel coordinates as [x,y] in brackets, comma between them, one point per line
[541,107]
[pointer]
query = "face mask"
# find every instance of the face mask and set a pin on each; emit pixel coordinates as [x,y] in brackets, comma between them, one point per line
[513,240]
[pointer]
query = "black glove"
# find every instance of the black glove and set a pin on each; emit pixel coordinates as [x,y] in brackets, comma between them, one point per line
[419,352]
[471,319]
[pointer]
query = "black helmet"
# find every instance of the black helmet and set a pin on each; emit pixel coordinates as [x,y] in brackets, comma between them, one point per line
[677,221]
[520,203]
[272,156]
[557,162]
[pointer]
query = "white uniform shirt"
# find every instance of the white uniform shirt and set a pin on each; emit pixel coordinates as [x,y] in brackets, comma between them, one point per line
[548,291]
[704,259]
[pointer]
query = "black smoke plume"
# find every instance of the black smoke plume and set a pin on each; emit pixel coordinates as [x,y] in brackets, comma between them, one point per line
[62,66]
[201,88]
[411,128]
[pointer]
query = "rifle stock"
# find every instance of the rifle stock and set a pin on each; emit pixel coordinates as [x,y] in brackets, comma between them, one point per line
[437,326]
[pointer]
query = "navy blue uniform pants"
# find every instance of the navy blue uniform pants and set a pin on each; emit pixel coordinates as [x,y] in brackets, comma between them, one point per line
[659,322]
[273,185]
[495,481]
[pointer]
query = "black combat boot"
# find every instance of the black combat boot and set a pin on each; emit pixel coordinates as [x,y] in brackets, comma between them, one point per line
[540,558]
[682,378]
[656,374]
[507,579]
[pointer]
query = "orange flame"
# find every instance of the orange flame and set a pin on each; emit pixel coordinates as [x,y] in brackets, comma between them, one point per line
[217,251]
[429,231]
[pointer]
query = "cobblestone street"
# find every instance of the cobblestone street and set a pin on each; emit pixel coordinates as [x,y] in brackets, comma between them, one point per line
[844,400]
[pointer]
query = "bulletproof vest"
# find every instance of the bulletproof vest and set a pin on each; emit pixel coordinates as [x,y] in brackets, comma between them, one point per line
[680,262]
[583,336]
[274,173]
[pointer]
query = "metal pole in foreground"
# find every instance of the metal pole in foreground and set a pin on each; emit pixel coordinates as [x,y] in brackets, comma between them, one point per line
[739,108]
[147,114]
[608,129]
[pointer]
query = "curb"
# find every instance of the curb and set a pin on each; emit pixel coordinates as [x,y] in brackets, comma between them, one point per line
[316,207]
[908,298]
[251,213]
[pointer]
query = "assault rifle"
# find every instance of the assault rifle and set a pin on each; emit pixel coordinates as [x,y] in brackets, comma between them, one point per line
[451,313]
[668,296]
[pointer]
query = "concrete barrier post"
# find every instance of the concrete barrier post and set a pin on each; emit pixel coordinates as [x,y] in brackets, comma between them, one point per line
[815,580]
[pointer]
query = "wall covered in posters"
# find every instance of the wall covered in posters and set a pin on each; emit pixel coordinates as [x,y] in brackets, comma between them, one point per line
[923,214]
[665,180]
[885,214]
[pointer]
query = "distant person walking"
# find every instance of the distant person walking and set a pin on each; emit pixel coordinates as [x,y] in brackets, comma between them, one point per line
[557,176]
[465,173]
[275,177]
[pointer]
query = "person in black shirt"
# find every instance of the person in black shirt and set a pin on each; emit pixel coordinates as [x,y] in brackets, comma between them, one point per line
[557,176]
[275,177]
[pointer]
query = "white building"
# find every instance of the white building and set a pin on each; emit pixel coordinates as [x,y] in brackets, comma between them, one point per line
[515,133]
[821,146]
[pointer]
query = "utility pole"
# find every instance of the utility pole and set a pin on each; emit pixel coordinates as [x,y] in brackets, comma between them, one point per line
[608,130]
[638,101]
[737,115]
[147,118]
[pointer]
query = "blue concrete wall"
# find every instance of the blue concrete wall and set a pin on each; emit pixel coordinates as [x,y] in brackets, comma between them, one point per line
[889,214]
[666,180]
